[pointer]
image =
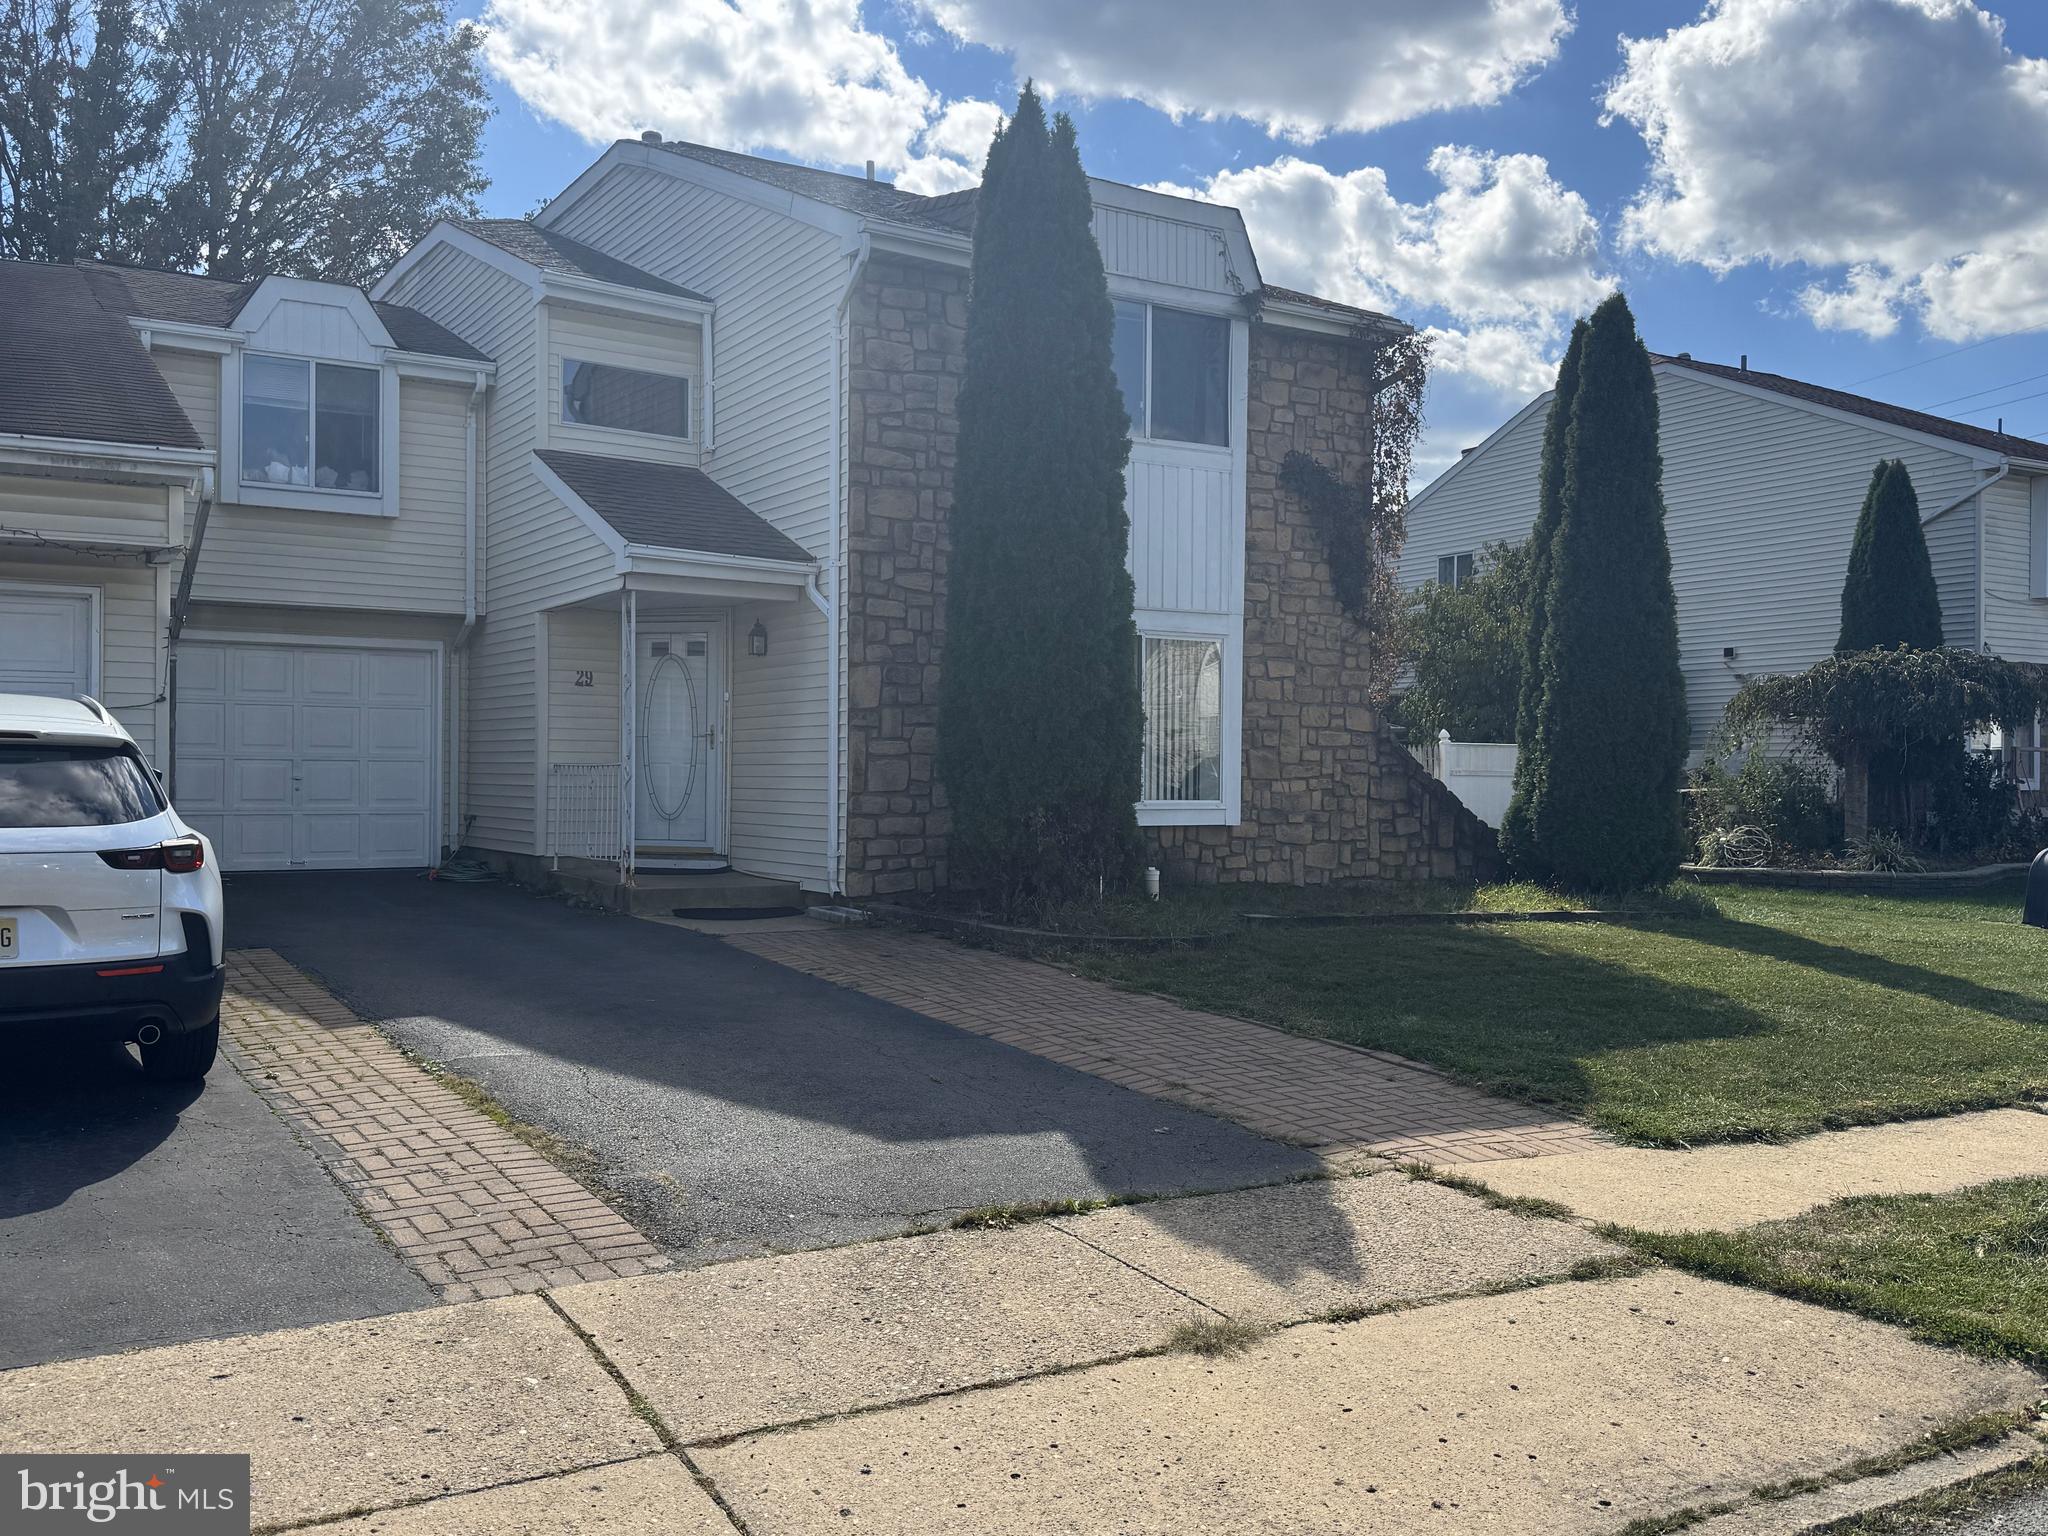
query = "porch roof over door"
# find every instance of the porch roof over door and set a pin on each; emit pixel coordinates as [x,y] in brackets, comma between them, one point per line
[668,507]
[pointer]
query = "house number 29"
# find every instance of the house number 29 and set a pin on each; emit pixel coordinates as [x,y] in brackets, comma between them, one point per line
[585,679]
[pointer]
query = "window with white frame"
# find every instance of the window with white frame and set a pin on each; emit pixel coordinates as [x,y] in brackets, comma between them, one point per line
[624,399]
[311,426]
[2022,754]
[1454,571]
[1181,682]
[1174,369]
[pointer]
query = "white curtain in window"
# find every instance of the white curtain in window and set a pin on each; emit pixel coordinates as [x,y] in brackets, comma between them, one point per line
[1182,683]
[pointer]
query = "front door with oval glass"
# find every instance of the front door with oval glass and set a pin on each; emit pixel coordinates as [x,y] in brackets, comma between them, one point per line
[679,737]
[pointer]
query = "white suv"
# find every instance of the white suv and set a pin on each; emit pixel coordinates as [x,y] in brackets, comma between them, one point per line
[110,906]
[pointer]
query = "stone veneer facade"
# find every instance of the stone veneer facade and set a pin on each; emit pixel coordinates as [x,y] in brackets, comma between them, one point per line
[1328,794]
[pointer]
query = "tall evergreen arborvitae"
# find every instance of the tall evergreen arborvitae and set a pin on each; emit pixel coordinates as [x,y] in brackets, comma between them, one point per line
[1889,598]
[1517,837]
[1610,726]
[1039,714]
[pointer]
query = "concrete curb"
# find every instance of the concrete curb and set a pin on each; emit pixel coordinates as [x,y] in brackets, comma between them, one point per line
[1813,1511]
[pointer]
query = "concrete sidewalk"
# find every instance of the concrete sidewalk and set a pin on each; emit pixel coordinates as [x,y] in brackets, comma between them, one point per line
[1412,1359]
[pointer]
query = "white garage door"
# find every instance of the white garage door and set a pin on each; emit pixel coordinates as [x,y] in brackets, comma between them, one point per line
[308,756]
[47,639]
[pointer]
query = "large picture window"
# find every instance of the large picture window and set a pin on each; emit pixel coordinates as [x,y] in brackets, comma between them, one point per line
[310,425]
[625,399]
[1174,369]
[1181,682]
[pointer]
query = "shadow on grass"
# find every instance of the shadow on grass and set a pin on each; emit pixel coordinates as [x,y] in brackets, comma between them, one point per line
[1875,970]
[1507,1015]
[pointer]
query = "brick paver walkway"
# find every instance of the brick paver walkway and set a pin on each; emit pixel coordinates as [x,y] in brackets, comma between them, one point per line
[470,1206]
[1345,1103]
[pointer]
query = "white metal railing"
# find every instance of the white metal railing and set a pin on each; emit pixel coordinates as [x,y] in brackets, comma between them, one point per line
[583,811]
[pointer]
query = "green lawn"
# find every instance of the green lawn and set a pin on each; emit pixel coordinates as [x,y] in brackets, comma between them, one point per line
[1969,1269]
[1776,1013]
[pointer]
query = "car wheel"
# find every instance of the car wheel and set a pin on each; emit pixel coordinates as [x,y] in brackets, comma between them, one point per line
[182,1058]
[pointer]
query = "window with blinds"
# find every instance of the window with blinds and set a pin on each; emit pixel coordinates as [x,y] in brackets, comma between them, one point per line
[1182,685]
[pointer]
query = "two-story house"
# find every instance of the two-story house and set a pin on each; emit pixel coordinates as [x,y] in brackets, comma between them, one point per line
[716,491]
[244,516]
[1763,479]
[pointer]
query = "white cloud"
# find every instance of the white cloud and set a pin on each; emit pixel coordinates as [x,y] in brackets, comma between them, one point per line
[954,149]
[800,76]
[1504,250]
[1319,65]
[1899,138]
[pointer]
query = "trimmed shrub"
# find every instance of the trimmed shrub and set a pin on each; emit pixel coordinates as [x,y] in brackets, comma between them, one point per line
[1610,730]
[1039,715]
[1889,598]
[1517,836]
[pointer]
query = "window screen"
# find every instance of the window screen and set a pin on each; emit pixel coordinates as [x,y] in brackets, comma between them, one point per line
[1182,684]
[1454,570]
[599,395]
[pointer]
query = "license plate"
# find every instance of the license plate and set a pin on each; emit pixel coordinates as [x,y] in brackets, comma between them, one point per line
[10,940]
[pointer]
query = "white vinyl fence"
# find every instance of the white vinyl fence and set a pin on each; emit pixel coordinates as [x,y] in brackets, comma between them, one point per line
[1480,773]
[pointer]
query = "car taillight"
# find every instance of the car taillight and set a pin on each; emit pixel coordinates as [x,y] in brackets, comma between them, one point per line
[179,856]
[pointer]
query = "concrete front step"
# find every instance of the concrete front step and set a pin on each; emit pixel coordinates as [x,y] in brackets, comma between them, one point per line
[665,893]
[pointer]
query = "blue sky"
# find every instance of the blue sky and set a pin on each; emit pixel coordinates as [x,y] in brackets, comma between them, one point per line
[1849,191]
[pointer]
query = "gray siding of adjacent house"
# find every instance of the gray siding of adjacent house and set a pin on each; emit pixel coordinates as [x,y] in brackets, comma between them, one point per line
[1761,497]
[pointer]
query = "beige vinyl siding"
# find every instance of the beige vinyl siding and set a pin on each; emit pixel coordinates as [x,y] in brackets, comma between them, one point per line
[583,723]
[408,563]
[2015,621]
[1761,499]
[84,510]
[134,603]
[777,815]
[537,553]
[194,378]
[776,283]
[650,345]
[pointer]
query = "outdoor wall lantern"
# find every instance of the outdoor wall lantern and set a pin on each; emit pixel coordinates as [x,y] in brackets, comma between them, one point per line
[757,639]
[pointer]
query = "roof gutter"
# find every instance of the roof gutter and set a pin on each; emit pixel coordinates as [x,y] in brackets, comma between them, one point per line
[78,457]
[181,608]
[827,591]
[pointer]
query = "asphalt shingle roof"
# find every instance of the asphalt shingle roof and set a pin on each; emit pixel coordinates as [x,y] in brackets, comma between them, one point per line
[553,252]
[953,212]
[1875,410]
[670,506]
[191,299]
[71,368]
[1316,301]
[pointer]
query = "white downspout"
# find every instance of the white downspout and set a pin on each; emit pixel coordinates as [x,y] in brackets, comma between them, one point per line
[471,554]
[831,604]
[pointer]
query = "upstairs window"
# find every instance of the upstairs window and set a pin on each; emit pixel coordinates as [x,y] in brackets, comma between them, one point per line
[1174,369]
[1181,683]
[624,399]
[1454,571]
[310,425]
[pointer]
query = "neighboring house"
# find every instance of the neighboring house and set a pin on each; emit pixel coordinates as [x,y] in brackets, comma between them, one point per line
[243,516]
[1763,480]
[719,473]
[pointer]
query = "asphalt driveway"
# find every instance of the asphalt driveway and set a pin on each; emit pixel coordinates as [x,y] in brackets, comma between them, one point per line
[732,1106]
[135,1213]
